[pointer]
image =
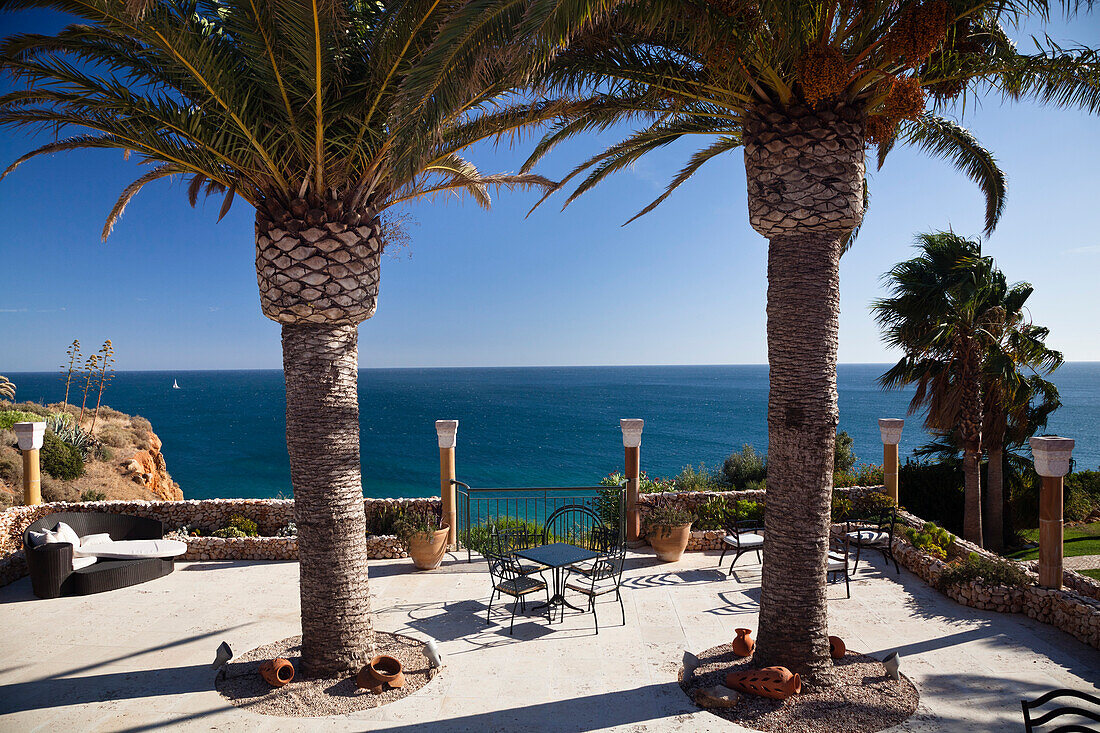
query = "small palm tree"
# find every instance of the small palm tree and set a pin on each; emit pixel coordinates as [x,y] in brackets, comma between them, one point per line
[301,110]
[801,88]
[943,312]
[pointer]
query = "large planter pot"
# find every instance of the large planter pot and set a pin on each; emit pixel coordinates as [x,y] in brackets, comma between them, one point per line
[669,542]
[426,554]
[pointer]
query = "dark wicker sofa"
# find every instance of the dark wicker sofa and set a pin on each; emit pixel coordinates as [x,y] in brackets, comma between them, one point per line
[51,565]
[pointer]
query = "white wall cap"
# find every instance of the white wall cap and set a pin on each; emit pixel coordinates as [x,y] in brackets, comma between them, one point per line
[1051,455]
[890,429]
[632,432]
[30,434]
[447,432]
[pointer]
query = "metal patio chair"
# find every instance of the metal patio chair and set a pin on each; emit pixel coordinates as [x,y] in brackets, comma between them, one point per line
[509,581]
[877,534]
[838,563]
[603,578]
[746,535]
[506,542]
[1075,711]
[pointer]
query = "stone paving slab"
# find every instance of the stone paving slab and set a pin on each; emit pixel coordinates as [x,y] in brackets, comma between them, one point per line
[137,659]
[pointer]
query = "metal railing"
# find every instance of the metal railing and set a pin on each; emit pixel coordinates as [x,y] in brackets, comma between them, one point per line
[481,511]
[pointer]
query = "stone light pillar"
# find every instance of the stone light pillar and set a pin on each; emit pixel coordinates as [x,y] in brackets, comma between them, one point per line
[632,443]
[1052,458]
[447,432]
[890,429]
[30,435]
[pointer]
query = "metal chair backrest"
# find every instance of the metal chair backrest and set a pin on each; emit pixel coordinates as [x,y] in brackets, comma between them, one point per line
[574,525]
[609,565]
[885,521]
[507,541]
[1046,717]
[503,568]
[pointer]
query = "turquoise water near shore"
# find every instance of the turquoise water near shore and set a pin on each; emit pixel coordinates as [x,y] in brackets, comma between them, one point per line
[224,431]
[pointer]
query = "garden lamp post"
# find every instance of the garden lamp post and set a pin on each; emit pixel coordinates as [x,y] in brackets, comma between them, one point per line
[632,443]
[1052,458]
[890,429]
[447,432]
[30,435]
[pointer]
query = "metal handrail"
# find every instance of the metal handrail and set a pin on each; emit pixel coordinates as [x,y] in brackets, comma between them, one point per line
[527,494]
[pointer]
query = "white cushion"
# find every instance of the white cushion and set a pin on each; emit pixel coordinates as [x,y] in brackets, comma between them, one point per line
[67,534]
[748,539]
[602,586]
[38,538]
[136,549]
[93,539]
[836,566]
[82,562]
[869,537]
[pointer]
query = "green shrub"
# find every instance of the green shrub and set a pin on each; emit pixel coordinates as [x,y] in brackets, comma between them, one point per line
[760,485]
[932,539]
[384,520]
[92,495]
[60,460]
[933,491]
[740,469]
[607,499]
[841,507]
[1082,495]
[870,505]
[843,455]
[113,436]
[290,529]
[246,526]
[8,418]
[696,479]
[103,453]
[66,429]
[989,571]
[227,532]
[746,509]
[715,513]
[866,474]
[478,540]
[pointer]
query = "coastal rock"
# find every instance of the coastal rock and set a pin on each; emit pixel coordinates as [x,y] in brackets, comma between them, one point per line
[716,697]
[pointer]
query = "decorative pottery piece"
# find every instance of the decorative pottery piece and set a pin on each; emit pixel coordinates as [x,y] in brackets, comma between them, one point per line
[382,671]
[836,647]
[744,643]
[427,554]
[669,542]
[277,672]
[778,683]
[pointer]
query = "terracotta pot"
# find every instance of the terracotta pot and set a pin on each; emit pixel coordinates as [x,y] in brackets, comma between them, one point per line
[836,647]
[427,554]
[383,670]
[277,672]
[744,643]
[669,542]
[778,683]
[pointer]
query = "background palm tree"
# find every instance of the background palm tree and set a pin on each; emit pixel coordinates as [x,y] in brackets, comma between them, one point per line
[801,87]
[300,109]
[1016,399]
[944,315]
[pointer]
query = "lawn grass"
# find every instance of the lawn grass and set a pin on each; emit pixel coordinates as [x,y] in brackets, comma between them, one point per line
[1094,573]
[1080,540]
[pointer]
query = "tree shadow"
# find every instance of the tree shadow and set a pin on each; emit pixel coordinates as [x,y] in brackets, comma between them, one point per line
[123,685]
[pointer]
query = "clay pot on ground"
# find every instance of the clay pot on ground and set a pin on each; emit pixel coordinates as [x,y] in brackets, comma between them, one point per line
[778,683]
[427,554]
[277,672]
[669,542]
[744,644]
[383,670]
[836,647]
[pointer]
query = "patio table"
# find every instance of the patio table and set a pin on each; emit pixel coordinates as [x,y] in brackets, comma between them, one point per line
[557,556]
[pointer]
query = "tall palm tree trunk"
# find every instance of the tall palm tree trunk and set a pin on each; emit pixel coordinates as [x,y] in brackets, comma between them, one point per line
[970,430]
[994,522]
[805,178]
[318,277]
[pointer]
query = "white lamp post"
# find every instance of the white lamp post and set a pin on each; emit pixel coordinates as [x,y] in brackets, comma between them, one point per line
[1052,460]
[30,435]
[890,430]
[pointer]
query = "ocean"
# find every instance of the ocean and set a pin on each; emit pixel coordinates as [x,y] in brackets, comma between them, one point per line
[224,431]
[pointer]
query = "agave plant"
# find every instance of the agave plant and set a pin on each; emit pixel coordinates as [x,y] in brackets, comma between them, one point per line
[69,432]
[301,110]
[802,88]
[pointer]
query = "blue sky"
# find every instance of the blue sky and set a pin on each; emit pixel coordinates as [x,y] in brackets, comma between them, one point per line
[682,285]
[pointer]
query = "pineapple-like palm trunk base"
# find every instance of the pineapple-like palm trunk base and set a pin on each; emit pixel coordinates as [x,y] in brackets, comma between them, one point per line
[972,495]
[803,321]
[320,364]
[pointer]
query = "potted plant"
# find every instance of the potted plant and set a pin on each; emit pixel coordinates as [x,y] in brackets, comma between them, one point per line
[668,529]
[425,536]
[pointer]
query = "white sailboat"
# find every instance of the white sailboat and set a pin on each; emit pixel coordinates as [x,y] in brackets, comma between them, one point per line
[175,384]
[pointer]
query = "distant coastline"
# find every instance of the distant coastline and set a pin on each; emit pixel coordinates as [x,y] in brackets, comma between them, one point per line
[223,430]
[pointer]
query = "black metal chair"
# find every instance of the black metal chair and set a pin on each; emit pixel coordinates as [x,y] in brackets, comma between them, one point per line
[506,542]
[837,563]
[1046,717]
[746,535]
[877,534]
[602,578]
[508,580]
[575,524]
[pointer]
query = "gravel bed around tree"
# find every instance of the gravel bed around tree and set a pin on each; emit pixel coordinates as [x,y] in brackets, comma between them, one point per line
[241,684]
[864,699]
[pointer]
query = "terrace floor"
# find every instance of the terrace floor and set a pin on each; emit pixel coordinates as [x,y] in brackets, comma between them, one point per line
[138,659]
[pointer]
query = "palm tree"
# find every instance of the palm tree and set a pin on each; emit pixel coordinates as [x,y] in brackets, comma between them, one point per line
[300,109]
[1017,400]
[943,313]
[801,87]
